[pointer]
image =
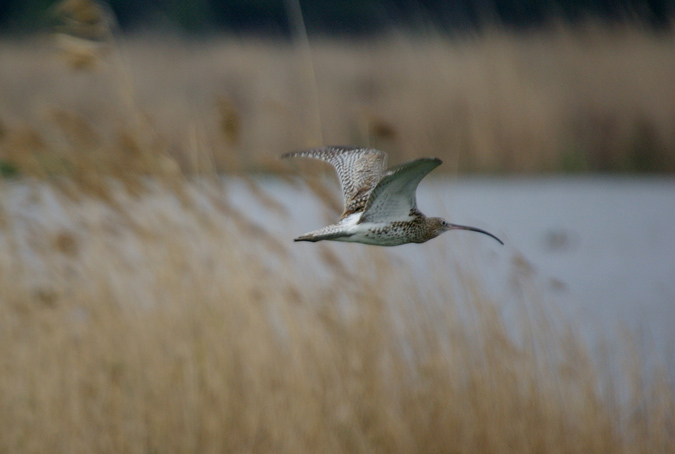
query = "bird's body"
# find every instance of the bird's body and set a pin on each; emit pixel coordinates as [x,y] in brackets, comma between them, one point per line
[391,233]
[380,206]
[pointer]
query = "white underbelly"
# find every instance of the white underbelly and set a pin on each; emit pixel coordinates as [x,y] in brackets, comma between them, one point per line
[364,233]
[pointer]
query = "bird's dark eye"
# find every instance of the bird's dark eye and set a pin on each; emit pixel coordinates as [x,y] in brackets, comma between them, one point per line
[443,223]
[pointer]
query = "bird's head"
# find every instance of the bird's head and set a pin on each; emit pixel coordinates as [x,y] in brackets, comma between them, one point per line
[437,226]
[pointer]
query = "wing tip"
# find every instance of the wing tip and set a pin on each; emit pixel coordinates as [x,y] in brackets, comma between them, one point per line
[330,149]
[290,154]
[437,161]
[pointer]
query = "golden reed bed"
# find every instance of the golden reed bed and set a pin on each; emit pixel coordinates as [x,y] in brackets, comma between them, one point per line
[592,98]
[168,322]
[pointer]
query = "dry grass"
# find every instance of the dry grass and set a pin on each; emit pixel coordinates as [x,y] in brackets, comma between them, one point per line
[169,326]
[150,316]
[587,99]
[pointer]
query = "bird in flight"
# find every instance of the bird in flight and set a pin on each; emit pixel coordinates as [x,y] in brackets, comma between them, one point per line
[380,206]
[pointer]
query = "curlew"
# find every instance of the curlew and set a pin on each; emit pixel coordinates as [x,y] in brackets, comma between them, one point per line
[380,206]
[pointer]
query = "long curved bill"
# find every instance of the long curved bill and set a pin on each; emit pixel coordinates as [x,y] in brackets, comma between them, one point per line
[473,229]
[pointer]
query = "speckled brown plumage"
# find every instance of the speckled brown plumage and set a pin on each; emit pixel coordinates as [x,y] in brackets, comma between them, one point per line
[358,169]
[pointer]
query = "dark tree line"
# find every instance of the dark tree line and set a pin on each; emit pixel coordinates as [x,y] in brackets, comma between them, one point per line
[344,16]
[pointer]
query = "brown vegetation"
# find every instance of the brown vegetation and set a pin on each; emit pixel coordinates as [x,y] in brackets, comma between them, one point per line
[587,99]
[150,325]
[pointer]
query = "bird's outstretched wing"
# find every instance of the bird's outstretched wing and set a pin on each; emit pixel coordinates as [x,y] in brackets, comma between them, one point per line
[359,170]
[393,198]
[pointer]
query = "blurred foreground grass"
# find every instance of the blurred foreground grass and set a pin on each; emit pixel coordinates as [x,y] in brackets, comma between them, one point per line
[147,315]
[158,323]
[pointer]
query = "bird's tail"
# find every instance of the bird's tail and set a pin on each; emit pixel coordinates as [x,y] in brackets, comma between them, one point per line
[331,232]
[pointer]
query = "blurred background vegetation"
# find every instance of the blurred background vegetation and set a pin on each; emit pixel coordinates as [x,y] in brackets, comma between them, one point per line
[526,87]
[490,86]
